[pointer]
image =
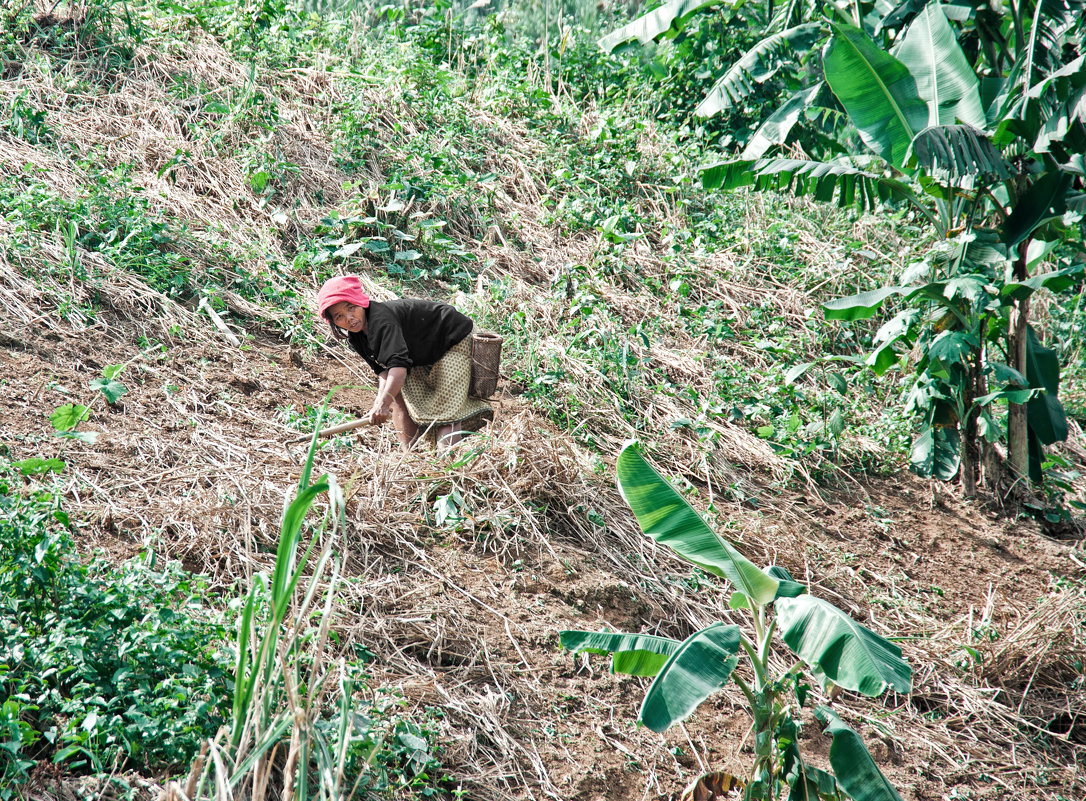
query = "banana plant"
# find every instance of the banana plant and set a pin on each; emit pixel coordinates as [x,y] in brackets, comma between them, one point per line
[994,168]
[822,644]
[793,33]
[973,117]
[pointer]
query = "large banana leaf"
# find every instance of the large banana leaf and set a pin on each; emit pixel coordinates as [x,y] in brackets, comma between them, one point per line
[789,588]
[877,91]
[859,306]
[896,17]
[1065,125]
[758,65]
[943,76]
[1063,120]
[662,20]
[1045,414]
[851,655]
[1043,199]
[1019,111]
[665,516]
[1056,281]
[806,782]
[817,179]
[775,129]
[852,764]
[700,667]
[632,654]
[1052,20]
[960,150]
[937,452]
[1065,79]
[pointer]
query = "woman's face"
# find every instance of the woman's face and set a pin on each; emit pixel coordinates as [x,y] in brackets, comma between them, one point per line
[347,315]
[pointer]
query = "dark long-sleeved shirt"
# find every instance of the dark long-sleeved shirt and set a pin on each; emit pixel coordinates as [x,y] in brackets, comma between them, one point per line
[408,332]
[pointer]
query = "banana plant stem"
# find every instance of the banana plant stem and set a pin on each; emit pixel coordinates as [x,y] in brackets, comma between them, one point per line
[760,677]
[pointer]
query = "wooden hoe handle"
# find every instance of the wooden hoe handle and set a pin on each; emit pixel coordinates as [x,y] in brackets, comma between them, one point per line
[328,432]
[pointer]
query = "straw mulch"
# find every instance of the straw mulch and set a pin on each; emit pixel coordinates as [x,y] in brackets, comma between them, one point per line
[463,616]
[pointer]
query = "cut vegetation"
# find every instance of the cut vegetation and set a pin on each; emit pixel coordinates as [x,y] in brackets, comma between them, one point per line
[177,179]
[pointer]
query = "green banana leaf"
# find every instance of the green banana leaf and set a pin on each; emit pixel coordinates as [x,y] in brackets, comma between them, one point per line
[1057,281]
[789,587]
[943,75]
[898,15]
[852,764]
[849,654]
[1009,395]
[1043,199]
[701,666]
[882,358]
[806,782]
[860,306]
[666,18]
[820,180]
[757,66]
[632,654]
[877,91]
[774,131]
[897,327]
[664,515]
[1044,414]
[960,150]
[936,452]
[1064,125]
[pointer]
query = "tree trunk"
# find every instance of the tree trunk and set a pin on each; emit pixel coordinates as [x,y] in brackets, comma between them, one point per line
[975,388]
[1017,432]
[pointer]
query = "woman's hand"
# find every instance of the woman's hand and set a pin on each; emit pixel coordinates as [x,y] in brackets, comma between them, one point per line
[390,383]
[381,411]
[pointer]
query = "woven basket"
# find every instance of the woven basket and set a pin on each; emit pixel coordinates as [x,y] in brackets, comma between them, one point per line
[486,355]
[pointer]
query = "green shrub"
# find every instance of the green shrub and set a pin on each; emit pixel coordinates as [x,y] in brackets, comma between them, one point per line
[99,666]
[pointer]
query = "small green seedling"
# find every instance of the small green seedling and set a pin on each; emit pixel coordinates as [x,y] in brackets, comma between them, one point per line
[65,418]
[36,466]
[108,384]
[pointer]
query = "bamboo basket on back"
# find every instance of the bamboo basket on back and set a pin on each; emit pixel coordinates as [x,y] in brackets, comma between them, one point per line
[486,354]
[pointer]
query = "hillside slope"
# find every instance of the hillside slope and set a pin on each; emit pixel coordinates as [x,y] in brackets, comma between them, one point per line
[169,170]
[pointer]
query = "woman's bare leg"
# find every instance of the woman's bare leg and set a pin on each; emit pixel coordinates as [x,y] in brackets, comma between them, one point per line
[449,435]
[407,431]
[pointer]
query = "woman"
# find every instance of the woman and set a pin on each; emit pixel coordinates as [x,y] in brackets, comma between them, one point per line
[421,353]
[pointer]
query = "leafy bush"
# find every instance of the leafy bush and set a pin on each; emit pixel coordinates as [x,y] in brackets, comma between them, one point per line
[99,666]
[112,218]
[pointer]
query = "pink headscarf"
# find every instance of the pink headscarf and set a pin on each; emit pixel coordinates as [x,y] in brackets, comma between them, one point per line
[344,287]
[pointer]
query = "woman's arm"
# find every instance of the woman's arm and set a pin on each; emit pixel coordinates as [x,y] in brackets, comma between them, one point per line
[389,386]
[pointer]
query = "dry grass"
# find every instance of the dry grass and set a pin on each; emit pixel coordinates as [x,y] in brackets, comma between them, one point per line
[464,616]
